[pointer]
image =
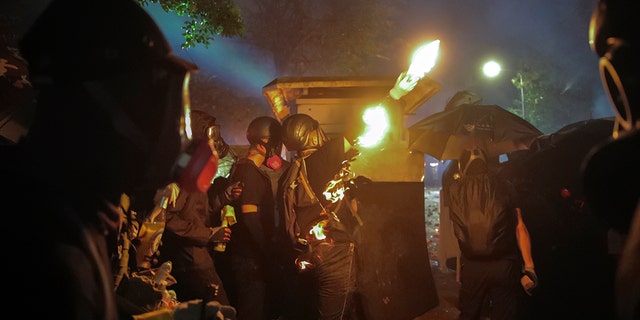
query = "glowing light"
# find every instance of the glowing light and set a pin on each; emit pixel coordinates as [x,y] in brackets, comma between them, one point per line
[318,230]
[186,104]
[491,69]
[335,189]
[423,59]
[303,264]
[376,126]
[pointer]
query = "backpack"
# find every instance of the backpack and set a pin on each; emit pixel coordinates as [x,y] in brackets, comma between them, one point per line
[296,191]
[484,220]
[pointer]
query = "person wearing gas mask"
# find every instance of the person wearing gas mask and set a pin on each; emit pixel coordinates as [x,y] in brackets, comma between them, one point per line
[250,250]
[325,283]
[112,105]
[189,233]
[611,173]
[319,230]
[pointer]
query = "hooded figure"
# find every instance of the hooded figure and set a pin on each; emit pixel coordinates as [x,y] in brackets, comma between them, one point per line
[110,119]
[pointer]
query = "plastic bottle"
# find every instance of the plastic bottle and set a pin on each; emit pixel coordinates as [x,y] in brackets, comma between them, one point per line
[161,275]
[228,217]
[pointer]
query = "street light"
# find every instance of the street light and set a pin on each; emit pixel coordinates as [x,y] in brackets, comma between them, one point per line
[492,69]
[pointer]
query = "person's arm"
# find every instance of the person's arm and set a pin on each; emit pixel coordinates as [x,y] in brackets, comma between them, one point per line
[524,241]
[251,219]
[249,200]
[182,224]
[529,280]
[230,193]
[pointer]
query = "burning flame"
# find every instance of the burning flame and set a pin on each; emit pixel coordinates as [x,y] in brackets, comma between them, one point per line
[335,189]
[423,59]
[318,230]
[376,126]
[303,261]
[303,264]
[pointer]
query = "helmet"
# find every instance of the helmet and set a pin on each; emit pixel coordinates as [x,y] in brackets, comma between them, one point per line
[200,123]
[296,130]
[204,126]
[472,161]
[117,36]
[124,92]
[265,127]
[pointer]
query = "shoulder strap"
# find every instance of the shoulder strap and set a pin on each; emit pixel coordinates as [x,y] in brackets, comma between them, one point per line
[302,174]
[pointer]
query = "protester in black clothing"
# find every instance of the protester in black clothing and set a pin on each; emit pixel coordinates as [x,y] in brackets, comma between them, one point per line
[189,235]
[185,243]
[494,241]
[329,253]
[332,259]
[111,105]
[250,249]
[612,170]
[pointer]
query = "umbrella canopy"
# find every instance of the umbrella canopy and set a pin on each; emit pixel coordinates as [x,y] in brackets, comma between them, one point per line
[444,135]
[565,231]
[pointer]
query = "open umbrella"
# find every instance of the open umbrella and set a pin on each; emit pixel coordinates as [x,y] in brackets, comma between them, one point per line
[444,135]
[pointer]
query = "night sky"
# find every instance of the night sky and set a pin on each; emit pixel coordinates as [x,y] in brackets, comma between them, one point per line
[548,33]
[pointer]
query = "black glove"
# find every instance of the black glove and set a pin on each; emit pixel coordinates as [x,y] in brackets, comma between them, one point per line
[233,191]
[529,280]
[220,235]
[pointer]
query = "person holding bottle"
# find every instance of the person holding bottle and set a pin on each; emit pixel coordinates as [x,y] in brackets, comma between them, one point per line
[188,234]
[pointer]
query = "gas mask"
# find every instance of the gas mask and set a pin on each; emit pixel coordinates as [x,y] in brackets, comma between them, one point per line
[272,157]
[197,166]
[219,144]
[267,132]
[197,162]
[611,38]
[140,90]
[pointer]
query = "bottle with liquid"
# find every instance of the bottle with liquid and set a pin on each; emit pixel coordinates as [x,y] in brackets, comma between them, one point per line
[159,279]
[228,217]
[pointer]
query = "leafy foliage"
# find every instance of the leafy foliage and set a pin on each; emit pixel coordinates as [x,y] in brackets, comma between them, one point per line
[205,19]
[548,103]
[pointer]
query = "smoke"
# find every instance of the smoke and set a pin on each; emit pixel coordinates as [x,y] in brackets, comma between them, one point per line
[243,68]
[602,107]
[545,34]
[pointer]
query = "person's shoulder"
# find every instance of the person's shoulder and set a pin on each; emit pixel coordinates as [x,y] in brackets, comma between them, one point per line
[243,164]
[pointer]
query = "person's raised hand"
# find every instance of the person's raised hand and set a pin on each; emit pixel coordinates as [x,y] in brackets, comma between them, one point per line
[404,84]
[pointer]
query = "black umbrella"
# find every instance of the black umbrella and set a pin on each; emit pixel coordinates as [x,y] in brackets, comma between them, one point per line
[444,135]
[564,231]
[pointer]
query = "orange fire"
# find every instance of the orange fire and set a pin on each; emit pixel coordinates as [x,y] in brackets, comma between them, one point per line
[303,264]
[317,231]
[337,187]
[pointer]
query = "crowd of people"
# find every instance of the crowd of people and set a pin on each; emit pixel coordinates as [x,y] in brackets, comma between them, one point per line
[121,212]
[119,189]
